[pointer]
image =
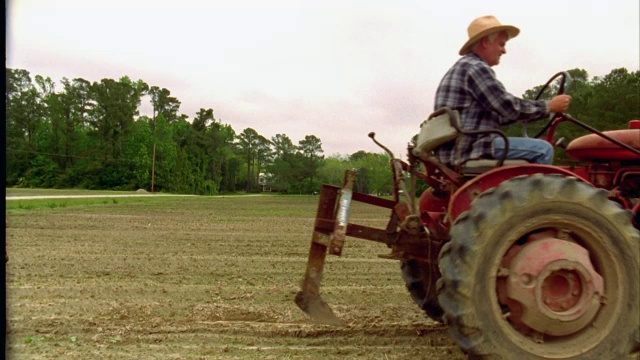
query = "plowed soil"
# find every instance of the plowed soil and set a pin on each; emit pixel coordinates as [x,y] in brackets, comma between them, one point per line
[202,278]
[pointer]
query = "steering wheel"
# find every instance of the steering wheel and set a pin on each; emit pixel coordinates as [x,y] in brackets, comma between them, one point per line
[565,82]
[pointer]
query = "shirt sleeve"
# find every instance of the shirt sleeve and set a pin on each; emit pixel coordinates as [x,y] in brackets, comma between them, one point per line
[492,95]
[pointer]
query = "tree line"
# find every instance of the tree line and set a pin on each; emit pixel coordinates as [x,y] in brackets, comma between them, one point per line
[91,135]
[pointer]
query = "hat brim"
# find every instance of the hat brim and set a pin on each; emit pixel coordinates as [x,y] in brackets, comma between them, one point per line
[511,30]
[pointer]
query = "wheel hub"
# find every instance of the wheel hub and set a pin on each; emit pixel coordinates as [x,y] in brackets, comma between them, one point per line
[558,289]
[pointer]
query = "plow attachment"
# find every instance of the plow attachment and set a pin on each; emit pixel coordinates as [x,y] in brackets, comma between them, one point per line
[330,230]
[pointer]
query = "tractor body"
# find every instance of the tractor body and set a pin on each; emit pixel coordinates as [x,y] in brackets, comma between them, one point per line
[517,259]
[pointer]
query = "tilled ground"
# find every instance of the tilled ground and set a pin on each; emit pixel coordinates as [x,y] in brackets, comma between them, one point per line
[202,278]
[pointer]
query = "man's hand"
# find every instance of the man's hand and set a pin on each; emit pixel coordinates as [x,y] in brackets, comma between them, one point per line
[559,103]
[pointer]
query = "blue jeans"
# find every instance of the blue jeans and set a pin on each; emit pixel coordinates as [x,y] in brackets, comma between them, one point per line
[533,150]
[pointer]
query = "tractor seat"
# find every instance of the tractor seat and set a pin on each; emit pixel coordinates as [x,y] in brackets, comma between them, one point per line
[443,126]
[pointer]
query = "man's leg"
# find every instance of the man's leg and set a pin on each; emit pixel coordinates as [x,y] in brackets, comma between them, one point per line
[533,150]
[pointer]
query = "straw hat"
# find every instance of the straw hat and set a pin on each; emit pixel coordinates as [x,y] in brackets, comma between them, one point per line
[483,26]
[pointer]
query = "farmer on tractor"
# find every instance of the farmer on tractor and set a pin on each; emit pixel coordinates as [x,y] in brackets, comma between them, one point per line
[520,258]
[471,88]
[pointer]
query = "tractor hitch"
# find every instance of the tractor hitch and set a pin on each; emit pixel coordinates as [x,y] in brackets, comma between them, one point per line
[308,298]
[404,234]
[331,228]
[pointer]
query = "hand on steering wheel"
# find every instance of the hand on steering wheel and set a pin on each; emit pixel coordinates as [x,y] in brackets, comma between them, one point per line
[559,103]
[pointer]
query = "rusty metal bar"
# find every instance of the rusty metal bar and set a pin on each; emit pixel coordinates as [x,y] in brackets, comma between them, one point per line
[357,231]
[308,298]
[367,199]
[330,231]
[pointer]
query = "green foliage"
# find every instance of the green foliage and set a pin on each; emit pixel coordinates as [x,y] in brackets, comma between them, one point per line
[34,339]
[209,188]
[52,205]
[165,155]
[90,135]
[164,104]
[333,168]
[247,143]
[26,206]
[374,173]
[43,173]
[295,170]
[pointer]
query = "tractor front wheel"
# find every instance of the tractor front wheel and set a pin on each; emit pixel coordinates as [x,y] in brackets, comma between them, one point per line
[543,267]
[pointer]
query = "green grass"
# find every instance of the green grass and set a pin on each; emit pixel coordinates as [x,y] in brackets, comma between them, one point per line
[26,205]
[58,192]
[18,206]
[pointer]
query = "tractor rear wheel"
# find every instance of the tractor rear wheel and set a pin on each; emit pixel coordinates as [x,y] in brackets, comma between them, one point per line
[420,278]
[541,267]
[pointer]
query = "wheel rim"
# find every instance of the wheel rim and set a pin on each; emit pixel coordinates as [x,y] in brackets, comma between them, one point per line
[593,273]
[554,282]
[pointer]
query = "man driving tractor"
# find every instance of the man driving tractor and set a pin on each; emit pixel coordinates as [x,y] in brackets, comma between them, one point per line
[471,88]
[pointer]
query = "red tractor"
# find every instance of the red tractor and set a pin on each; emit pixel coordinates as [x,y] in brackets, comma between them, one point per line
[519,260]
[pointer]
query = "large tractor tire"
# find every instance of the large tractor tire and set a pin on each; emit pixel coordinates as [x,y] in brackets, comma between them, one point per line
[543,267]
[420,278]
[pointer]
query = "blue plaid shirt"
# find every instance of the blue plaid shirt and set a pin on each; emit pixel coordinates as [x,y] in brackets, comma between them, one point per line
[471,87]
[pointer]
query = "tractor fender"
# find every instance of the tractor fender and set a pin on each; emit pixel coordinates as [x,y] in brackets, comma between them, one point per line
[462,198]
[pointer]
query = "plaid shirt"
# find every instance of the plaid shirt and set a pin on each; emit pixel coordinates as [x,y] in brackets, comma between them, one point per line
[471,87]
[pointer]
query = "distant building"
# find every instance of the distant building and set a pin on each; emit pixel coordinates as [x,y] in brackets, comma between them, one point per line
[264,179]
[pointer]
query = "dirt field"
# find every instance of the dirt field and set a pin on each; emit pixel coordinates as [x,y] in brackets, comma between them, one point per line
[201,278]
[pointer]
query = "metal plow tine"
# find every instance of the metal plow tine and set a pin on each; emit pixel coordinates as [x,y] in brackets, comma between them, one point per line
[317,309]
[308,299]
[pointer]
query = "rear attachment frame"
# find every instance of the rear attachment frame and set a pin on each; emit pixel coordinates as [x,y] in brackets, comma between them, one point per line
[331,229]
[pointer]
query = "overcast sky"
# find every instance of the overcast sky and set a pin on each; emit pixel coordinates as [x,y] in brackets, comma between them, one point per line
[337,69]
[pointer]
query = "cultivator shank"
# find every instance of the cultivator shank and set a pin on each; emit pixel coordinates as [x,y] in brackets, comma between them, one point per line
[404,234]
